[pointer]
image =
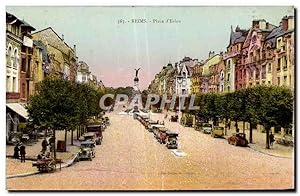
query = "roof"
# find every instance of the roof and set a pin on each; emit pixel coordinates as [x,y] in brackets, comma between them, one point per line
[237,36]
[87,142]
[13,18]
[172,133]
[19,109]
[50,28]
[25,24]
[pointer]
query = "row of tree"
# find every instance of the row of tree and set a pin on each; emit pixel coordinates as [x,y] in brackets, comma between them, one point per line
[63,105]
[269,106]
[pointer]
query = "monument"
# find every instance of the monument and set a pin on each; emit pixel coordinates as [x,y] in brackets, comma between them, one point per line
[136,91]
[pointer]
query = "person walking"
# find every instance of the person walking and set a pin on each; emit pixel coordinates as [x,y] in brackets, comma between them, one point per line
[22,153]
[271,139]
[16,151]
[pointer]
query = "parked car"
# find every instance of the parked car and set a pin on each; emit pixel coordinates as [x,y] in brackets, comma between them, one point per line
[217,131]
[171,140]
[238,139]
[87,150]
[154,126]
[89,136]
[151,122]
[174,118]
[97,130]
[206,128]
[160,134]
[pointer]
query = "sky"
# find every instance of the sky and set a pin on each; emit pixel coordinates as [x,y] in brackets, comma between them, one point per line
[113,50]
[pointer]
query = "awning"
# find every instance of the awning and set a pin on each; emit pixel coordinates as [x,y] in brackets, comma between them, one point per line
[19,109]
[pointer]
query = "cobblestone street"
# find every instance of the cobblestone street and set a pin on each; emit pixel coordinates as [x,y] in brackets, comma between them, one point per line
[130,158]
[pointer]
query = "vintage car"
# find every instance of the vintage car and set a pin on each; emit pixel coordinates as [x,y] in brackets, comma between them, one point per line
[97,130]
[171,140]
[238,139]
[150,123]
[107,120]
[174,118]
[154,126]
[160,134]
[206,128]
[217,131]
[89,136]
[87,150]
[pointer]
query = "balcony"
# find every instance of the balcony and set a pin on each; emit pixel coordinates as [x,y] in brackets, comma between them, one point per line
[10,95]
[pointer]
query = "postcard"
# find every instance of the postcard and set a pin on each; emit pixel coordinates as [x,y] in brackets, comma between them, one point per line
[137,98]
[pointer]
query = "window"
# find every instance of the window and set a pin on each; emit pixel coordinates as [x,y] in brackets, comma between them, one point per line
[285,80]
[263,72]
[8,84]
[23,65]
[278,81]
[15,58]
[14,85]
[269,67]
[228,77]
[279,43]
[278,64]
[23,90]
[284,62]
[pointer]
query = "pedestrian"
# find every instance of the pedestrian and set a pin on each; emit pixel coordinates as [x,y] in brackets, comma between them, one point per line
[16,151]
[44,145]
[22,153]
[228,125]
[271,139]
[166,116]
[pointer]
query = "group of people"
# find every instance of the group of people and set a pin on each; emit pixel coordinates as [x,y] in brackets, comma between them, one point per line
[20,152]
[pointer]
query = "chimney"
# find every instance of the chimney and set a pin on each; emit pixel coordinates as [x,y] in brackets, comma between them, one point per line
[284,23]
[62,37]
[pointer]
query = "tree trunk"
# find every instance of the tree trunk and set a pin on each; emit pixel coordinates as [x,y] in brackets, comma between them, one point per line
[267,138]
[226,122]
[54,148]
[236,126]
[244,126]
[72,137]
[66,133]
[77,132]
[250,133]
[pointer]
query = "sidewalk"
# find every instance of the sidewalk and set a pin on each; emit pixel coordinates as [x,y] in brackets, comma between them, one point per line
[15,167]
[258,139]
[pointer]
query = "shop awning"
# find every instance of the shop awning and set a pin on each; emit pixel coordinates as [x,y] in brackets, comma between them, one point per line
[19,109]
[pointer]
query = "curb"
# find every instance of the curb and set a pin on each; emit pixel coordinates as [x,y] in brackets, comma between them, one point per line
[268,153]
[67,164]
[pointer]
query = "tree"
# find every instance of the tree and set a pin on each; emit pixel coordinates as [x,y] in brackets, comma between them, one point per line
[63,105]
[222,108]
[275,107]
[54,106]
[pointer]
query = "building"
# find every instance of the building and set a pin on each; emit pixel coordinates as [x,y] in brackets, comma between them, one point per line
[15,110]
[40,65]
[183,83]
[63,59]
[284,61]
[196,78]
[251,71]
[26,61]
[208,81]
[233,79]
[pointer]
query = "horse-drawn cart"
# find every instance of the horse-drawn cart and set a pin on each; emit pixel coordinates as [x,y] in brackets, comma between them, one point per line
[47,165]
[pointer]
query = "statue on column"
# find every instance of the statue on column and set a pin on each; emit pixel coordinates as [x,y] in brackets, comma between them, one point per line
[136,72]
